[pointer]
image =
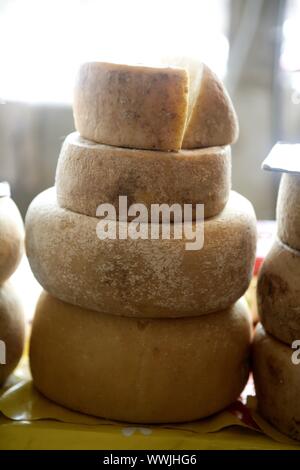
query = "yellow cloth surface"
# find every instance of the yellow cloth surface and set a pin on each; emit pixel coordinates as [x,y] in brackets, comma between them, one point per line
[30,421]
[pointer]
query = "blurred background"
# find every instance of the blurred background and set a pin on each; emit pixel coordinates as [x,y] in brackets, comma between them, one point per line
[252,45]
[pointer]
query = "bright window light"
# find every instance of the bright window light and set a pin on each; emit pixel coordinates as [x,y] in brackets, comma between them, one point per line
[42,42]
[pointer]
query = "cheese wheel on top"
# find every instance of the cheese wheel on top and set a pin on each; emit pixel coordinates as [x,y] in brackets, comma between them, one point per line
[179,105]
[90,174]
[288,210]
[12,330]
[139,370]
[276,371]
[11,238]
[278,293]
[141,277]
[131,106]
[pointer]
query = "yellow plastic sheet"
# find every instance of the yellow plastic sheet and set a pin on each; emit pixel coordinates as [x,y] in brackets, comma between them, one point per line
[30,421]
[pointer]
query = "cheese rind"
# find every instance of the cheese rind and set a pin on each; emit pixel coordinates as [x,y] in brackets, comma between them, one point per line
[141,277]
[277,383]
[131,106]
[278,293]
[90,174]
[288,210]
[11,238]
[143,371]
[159,108]
[12,330]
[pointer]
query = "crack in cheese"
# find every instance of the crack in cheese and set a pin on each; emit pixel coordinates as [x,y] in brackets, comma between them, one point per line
[277,383]
[278,293]
[182,105]
[139,277]
[90,174]
[143,371]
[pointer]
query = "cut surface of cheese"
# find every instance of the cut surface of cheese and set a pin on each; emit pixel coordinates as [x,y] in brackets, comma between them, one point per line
[278,293]
[141,277]
[211,118]
[131,106]
[277,382]
[11,238]
[12,330]
[180,105]
[288,210]
[90,174]
[139,370]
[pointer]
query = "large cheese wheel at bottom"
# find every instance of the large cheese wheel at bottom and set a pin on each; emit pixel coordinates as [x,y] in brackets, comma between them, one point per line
[277,382]
[12,330]
[141,277]
[139,370]
[278,293]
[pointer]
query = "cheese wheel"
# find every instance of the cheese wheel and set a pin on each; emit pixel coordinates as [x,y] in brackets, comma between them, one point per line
[12,330]
[277,383]
[90,174]
[131,106]
[139,370]
[141,277]
[161,108]
[11,238]
[288,210]
[278,293]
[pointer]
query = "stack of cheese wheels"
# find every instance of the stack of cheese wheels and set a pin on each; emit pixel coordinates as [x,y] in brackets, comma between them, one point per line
[276,367]
[136,328]
[11,314]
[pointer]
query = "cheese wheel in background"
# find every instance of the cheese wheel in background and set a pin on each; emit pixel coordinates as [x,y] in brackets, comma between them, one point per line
[141,277]
[278,293]
[288,210]
[131,106]
[181,105]
[11,238]
[139,370]
[277,382]
[90,174]
[12,330]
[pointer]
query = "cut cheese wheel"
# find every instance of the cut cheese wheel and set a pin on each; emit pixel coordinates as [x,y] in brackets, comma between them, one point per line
[90,174]
[276,372]
[162,108]
[134,370]
[141,277]
[12,330]
[211,119]
[131,106]
[278,293]
[288,210]
[11,238]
